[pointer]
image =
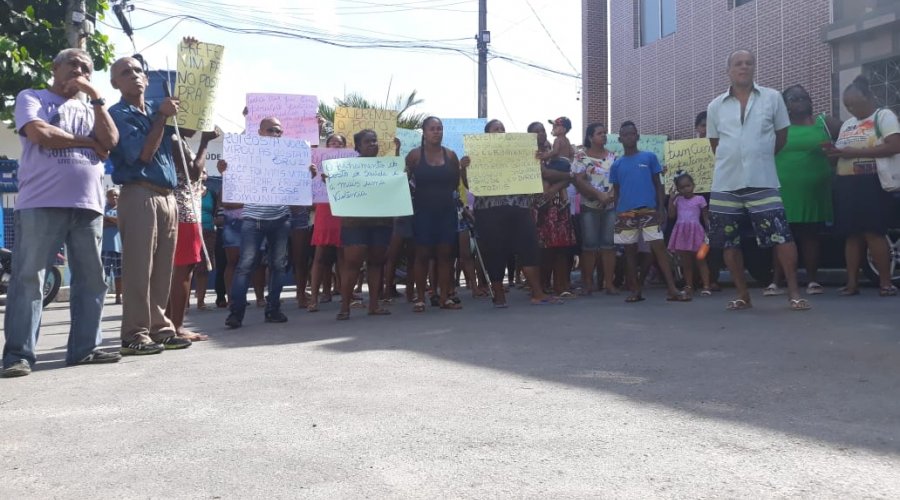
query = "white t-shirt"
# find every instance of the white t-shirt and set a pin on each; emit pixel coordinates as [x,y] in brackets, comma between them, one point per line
[857,134]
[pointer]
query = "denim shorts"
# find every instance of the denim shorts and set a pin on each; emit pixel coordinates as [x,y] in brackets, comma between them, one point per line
[598,229]
[300,218]
[231,233]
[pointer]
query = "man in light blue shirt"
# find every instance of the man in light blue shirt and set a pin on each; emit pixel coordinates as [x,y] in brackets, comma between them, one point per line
[746,127]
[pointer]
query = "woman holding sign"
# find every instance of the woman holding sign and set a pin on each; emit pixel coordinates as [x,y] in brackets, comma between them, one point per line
[435,171]
[326,238]
[505,229]
[364,239]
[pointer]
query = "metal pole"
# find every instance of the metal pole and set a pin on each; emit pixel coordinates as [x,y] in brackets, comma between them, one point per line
[482,59]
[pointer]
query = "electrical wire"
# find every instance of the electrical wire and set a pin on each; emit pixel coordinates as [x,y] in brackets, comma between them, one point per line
[536,16]
[502,102]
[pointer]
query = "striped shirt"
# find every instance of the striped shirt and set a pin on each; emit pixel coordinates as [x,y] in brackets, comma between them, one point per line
[265,212]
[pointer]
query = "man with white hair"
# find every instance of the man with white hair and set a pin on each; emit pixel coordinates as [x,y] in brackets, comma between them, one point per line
[64,142]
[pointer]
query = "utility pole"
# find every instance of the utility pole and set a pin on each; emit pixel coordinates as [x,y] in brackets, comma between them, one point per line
[484,38]
[78,27]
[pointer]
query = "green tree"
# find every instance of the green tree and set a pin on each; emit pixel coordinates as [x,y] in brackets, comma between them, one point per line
[31,34]
[402,105]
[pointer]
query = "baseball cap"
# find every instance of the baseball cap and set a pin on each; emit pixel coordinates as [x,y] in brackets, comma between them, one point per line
[562,120]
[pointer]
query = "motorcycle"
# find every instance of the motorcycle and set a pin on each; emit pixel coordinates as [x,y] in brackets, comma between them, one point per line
[52,276]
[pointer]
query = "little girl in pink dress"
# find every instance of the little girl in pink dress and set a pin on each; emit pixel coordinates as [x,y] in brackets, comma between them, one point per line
[688,234]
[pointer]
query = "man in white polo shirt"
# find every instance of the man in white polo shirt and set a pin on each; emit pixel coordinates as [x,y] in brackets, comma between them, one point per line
[746,127]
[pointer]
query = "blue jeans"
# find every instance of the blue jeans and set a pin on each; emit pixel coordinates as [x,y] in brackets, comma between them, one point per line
[276,233]
[40,232]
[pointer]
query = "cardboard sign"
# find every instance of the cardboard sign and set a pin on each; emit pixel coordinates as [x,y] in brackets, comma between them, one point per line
[348,121]
[297,114]
[319,155]
[197,83]
[694,157]
[368,187]
[266,171]
[502,164]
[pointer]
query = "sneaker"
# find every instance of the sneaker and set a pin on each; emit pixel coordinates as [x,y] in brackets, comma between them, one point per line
[98,357]
[18,369]
[233,321]
[276,317]
[175,342]
[140,347]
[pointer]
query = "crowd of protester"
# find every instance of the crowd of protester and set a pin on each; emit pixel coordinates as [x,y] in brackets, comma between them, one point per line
[779,169]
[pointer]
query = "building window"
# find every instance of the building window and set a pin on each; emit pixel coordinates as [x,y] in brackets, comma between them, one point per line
[657,19]
[738,3]
[884,76]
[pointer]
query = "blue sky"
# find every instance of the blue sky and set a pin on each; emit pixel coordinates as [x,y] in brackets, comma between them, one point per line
[447,81]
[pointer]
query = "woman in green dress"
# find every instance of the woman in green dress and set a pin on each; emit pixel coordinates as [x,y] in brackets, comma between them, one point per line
[805,175]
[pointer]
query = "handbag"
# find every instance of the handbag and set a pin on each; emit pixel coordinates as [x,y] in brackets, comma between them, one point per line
[889,166]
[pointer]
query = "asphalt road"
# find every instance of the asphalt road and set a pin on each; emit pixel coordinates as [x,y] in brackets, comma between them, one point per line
[592,399]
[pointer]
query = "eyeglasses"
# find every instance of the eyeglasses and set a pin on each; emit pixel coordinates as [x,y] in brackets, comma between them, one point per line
[274,130]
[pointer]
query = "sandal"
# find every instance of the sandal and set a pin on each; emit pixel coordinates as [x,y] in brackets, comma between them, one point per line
[814,288]
[681,296]
[887,291]
[312,308]
[706,292]
[451,304]
[567,295]
[357,304]
[419,307]
[341,316]
[738,305]
[631,299]
[800,305]
[848,292]
[201,306]
[772,291]
[380,312]
[500,305]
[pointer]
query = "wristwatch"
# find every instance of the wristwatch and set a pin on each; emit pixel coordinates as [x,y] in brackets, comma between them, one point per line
[98,101]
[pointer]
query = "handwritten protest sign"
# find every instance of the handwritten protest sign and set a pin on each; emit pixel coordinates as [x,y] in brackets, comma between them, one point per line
[502,164]
[348,121]
[368,187]
[693,156]
[655,144]
[297,114]
[456,128]
[409,140]
[197,83]
[319,155]
[266,171]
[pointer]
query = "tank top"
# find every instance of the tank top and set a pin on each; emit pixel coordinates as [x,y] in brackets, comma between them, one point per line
[435,184]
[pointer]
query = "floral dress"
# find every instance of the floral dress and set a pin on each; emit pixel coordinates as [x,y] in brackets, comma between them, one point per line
[554,219]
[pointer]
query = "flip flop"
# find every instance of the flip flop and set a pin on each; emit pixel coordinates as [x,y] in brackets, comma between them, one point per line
[887,291]
[342,316]
[738,305]
[848,292]
[679,297]
[800,305]
[419,307]
[631,299]
[312,308]
[814,288]
[452,305]
[501,305]
[567,295]
[380,312]
[772,291]
[706,292]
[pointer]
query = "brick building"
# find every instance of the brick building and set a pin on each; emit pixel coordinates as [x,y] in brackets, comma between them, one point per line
[667,57]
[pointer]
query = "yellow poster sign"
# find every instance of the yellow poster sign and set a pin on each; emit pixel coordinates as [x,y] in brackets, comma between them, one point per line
[502,164]
[692,156]
[348,121]
[199,66]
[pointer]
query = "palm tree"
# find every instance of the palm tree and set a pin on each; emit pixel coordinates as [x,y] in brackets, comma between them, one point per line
[402,105]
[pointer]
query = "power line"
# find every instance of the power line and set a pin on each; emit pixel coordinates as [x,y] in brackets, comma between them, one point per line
[536,16]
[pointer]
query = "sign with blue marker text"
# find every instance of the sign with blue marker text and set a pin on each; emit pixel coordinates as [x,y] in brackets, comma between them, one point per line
[409,140]
[319,155]
[297,114]
[266,170]
[368,187]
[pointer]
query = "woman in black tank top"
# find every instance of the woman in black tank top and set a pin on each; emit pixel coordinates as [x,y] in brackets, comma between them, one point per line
[435,173]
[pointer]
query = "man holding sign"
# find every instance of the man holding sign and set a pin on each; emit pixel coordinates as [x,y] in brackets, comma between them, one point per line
[148,218]
[269,222]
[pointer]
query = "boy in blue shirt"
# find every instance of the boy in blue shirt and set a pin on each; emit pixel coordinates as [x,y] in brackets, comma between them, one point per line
[639,195]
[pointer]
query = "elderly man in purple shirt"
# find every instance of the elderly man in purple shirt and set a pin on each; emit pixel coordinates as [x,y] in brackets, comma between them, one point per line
[64,142]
